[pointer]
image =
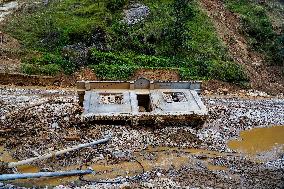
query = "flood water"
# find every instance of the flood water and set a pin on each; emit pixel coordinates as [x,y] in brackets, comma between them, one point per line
[252,142]
[163,157]
[259,140]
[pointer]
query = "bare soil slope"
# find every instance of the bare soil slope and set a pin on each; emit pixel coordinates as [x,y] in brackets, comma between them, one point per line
[227,24]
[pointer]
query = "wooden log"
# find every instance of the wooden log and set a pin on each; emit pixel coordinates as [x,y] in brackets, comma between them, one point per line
[46,156]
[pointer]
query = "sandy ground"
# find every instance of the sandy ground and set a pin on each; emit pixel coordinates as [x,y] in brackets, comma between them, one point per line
[173,157]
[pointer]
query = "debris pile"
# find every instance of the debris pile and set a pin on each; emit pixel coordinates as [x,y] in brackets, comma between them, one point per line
[229,116]
[36,122]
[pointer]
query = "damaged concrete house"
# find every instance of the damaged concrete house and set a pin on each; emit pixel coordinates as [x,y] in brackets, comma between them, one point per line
[142,102]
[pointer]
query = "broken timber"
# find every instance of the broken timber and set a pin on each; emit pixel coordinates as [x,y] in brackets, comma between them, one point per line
[142,102]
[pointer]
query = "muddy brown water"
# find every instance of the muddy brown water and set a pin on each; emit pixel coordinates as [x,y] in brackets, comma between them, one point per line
[163,157]
[259,140]
[253,141]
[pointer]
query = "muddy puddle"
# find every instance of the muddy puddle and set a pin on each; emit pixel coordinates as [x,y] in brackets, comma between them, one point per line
[259,140]
[145,160]
[216,167]
[252,142]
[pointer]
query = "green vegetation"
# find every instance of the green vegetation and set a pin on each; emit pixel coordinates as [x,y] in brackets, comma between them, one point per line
[105,64]
[49,69]
[115,5]
[176,34]
[259,30]
[47,64]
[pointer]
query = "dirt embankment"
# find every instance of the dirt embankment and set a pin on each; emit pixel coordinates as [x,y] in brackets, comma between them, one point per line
[34,80]
[9,55]
[20,79]
[9,47]
[262,77]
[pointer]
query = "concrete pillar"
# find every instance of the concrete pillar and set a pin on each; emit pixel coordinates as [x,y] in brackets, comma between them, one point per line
[152,85]
[132,85]
[87,85]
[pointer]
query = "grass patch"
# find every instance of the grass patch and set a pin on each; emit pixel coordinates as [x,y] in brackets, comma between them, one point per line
[33,69]
[51,27]
[48,64]
[113,71]
[176,34]
[111,65]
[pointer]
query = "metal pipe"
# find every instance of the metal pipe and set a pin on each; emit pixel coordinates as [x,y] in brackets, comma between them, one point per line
[44,174]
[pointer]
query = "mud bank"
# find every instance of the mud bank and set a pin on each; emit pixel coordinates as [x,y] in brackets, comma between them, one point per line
[36,80]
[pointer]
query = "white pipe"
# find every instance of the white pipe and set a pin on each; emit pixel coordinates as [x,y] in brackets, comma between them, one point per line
[44,174]
[46,156]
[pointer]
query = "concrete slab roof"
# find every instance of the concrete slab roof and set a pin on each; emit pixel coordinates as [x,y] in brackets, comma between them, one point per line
[142,100]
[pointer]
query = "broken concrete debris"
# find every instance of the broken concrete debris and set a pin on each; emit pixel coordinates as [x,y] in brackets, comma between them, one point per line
[112,98]
[171,97]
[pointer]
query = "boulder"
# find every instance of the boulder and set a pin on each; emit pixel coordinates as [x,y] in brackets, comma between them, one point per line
[136,13]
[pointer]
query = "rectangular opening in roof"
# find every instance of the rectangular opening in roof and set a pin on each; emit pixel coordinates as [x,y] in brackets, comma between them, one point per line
[171,97]
[110,98]
[144,102]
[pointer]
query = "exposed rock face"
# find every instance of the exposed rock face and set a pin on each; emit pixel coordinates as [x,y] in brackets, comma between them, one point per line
[136,13]
[7,8]
[80,52]
[98,40]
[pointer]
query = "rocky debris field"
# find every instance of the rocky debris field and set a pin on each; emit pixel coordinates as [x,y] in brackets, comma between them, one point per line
[38,121]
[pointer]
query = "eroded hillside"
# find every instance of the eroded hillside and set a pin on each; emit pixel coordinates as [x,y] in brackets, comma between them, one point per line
[236,42]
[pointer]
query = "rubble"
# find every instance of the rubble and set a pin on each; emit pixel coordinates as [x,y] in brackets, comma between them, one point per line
[255,93]
[30,133]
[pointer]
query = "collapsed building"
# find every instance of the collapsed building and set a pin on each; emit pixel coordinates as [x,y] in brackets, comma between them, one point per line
[142,102]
